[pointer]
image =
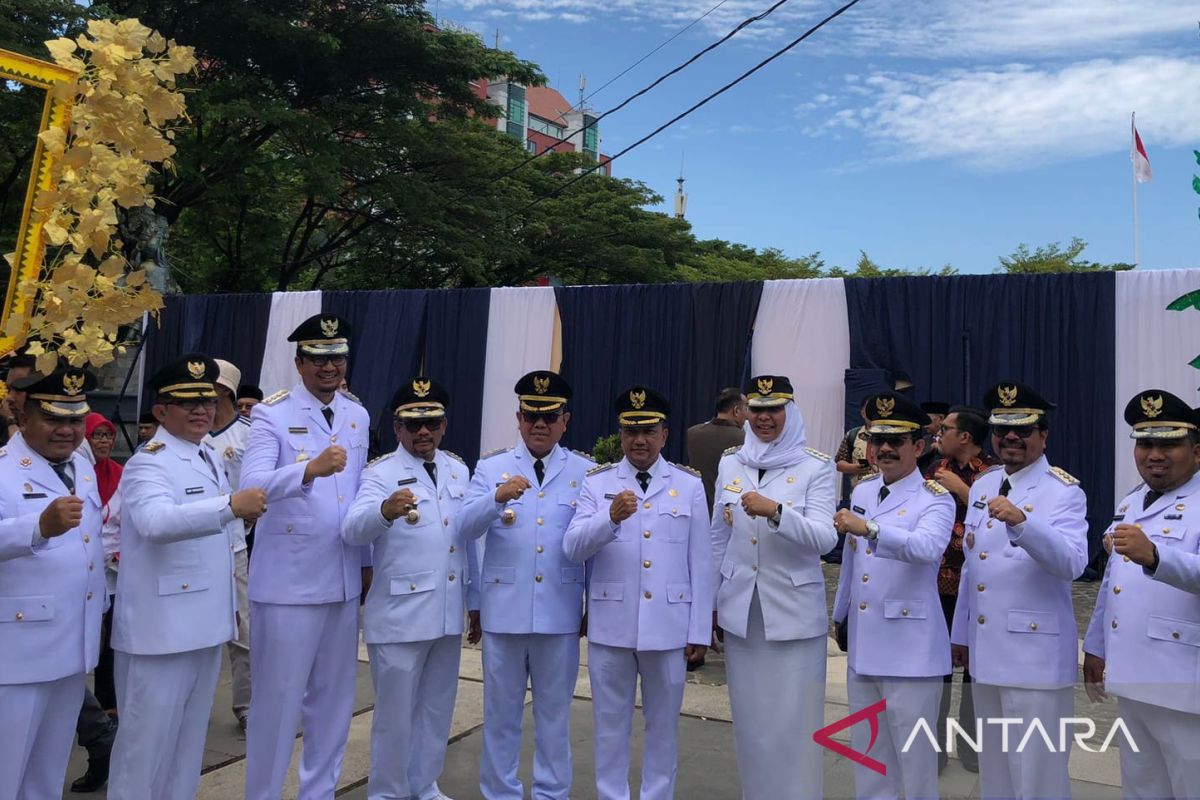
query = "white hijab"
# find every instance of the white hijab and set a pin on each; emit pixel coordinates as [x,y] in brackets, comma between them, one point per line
[784,451]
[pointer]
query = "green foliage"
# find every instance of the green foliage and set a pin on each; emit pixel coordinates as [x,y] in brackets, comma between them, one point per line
[607,449]
[1054,258]
[865,267]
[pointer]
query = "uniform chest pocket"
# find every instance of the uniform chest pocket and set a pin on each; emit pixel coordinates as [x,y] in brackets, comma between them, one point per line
[1173,630]
[674,521]
[1043,622]
[905,609]
[26,609]
[1169,531]
[303,446]
[413,583]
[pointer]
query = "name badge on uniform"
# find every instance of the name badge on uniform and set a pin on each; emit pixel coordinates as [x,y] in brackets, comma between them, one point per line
[858,509]
[734,489]
[1173,516]
[979,504]
[194,490]
[610,496]
[1118,517]
[406,481]
[33,495]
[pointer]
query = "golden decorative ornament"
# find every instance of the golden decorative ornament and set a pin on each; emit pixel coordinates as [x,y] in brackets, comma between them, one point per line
[765,385]
[541,385]
[420,388]
[1152,406]
[1008,395]
[884,406]
[196,369]
[637,399]
[329,328]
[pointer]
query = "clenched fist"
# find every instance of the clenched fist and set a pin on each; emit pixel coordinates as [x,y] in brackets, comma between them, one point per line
[249,504]
[397,504]
[757,505]
[846,521]
[1130,540]
[331,461]
[1001,508]
[511,489]
[63,514]
[624,505]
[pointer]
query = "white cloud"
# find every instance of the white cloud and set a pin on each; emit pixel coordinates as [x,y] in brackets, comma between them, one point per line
[1019,115]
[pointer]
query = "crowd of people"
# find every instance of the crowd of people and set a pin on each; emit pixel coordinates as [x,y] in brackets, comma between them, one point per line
[257,526]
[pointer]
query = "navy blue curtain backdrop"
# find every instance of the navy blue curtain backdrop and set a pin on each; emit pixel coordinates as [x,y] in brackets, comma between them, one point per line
[228,326]
[456,324]
[389,340]
[722,328]
[956,336]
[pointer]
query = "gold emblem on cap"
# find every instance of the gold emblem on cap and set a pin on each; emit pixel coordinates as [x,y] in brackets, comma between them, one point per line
[765,385]
[196,369]
[885,405]
[1008,395]
[329,328]
[637,399]
[541,385]
[72,384]
[1152,406]
[420,388]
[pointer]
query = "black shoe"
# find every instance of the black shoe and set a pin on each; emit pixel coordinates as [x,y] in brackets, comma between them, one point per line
[692,666]
[95,777]
[242,724]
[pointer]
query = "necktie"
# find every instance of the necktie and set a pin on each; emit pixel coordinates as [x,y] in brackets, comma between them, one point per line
[883,493]
[65,474]
[539,469]
[328,413]
[211,468]
[761,472]
[1005,488]
[431,468]
[1149,499]
[643,478]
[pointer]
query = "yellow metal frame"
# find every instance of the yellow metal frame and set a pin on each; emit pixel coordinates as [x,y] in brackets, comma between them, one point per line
[31,248]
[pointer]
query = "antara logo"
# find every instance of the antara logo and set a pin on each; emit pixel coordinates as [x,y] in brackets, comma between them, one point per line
[824,736]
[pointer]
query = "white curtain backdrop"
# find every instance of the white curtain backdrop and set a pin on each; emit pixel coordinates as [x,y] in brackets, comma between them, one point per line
[802,331]
[288,309]
[520,339]
[1154,347]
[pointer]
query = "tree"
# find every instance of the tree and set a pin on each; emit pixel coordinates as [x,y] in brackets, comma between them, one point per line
[1054,258]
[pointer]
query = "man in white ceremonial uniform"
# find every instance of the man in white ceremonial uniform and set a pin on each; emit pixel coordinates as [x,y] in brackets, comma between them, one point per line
[1145,630]
[1014,624]
[307,449]
[176,602]
[772,521]
[642,528]
[408,509]
[228,438]
[897,528]
[52,590]
[523,498]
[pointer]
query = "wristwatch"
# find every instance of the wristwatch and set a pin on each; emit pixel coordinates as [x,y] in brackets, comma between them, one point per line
[872,531]
[778,516]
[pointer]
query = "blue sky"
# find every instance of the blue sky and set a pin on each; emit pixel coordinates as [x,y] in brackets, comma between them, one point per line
[926,132]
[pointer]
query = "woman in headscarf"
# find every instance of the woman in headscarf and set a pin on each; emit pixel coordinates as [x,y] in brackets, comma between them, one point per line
[101,435]
[772,521]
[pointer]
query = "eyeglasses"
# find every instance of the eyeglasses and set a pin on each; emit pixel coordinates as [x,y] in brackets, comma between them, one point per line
[415,425]
[534,417]
[192,405]
[320,361]
[1023,431]
[772,410]
[894,442]
[102,436]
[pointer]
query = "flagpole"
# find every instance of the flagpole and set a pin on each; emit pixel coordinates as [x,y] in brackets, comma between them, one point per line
[1133,176]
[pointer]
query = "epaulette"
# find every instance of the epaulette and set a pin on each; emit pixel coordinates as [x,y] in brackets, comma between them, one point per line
[383,457]
[690,470]
[731,450]
[455,456]
[936,488]
[601,468]
[817,454]
[1064,476]
[351,395]
[992,468]
[275,398]
[873,476]
[153,447]
[582,454]
[3,452]
[495,452]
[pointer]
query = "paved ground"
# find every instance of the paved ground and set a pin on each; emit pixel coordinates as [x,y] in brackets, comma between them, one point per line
[707,765]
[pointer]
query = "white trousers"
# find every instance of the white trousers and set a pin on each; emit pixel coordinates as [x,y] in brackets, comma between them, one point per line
[550,662]
[777,698]
[302,666]
[37,725]
[239,650]
[164,704]
[415,687]
[1168,764]
[914,774]
[1037,771]
[614,673]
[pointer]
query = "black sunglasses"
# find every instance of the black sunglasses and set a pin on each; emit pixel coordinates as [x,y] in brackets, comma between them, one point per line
[192,405]
[895,442]
[1023,431]
[534,417]
[320,361]
[415,425]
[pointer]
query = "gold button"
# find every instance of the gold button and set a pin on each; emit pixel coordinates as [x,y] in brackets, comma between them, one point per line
[789,502]
[451,577]
[1033,626]
[540,521]
[86,539]
[446,521]
[91,566]
[541,494]
[1174,634]
[1166,530]
[862,606]
[754,568]
[541,549]
[646,505]
[1116,590]
[645,534]
[1029,508]
[753,540]
[646,564]
[989,523]
[904,612]
[982,619]
[412,587]
[20,616]
[183,586]
[866,578]
[341,498]
[1126,558]
[289,528]
[647,595]
[537,578]
[605,593]
[981,587]
[333,438]
[1114,624]
[451,548]
[983,555]
[681,597]
[89,596]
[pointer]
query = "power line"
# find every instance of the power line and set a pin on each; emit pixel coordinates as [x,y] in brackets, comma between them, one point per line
[737,29]
[555,192]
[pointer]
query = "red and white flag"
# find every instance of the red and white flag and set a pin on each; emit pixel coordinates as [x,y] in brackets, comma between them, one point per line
[1137,154]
